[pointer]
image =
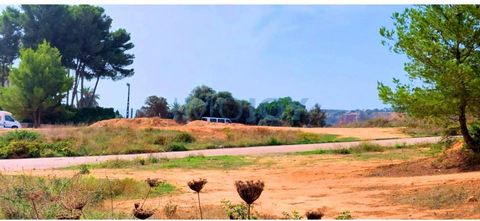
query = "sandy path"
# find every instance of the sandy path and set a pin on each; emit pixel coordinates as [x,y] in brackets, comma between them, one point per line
[57,162]
[294,183]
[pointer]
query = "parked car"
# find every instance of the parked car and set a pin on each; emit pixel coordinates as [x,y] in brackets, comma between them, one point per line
[7,120]
[217,120]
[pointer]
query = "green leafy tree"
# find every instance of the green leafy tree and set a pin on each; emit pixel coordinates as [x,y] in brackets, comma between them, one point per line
[195,109]
[442,45]
[317,117]
[178,112]
[291,112]
[10,35]
[206,95]
[155,107]
[37,85]
[247,113]
[225,105]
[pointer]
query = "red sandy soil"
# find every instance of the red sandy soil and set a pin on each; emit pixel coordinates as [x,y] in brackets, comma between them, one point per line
[331,182]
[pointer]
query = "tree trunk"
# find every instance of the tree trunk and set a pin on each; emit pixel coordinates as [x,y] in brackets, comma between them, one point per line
[92,98]
[39,119]
[74,90]
[75,85]
[82,77]
[462,119]
[82,89]
[4,74]
[68,91]
[36,118]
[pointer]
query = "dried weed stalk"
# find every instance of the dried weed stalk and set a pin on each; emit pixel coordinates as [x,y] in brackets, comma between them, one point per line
[249,191]
[197,186]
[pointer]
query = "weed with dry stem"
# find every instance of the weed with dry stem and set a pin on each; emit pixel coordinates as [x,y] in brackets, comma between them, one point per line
[249,191]
[141,213]
[170,210]
[197,186]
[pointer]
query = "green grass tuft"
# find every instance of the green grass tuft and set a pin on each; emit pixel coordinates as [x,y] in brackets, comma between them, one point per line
[192,162]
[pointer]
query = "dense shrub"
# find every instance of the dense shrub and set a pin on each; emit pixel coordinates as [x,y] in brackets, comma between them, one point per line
[20,135]
[27,144]
[93,114]
[176,147]
[184,137]
[270,121]
[21,149]
[69,115]
[160,140]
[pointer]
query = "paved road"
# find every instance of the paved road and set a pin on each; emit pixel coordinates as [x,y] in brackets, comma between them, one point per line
[58,162]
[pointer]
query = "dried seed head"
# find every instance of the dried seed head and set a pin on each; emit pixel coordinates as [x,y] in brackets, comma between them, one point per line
[153,182]
[250,190]
[314,214]
[197,185]
[141,213]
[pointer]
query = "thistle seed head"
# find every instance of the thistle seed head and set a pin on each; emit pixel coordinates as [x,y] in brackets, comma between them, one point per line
[197,185]
[314,214]
[153,182]
[250,190]
[141,213]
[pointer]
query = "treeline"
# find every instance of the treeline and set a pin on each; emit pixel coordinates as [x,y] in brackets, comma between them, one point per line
[79,37]
[204,101]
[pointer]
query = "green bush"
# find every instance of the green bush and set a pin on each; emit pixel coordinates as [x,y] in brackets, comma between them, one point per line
[84,169]
[57,149]
[342,151]
[367,147]
[20,135]
[29,149]
[176,147]
[21,149]
[344,215]
[271,121]
[160,140]
[183,137]
[273,141]
[237,211]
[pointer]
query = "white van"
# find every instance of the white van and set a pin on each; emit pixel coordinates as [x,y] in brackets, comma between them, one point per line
[7,120]
[217,120]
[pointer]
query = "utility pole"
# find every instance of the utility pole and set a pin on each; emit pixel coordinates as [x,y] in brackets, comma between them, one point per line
[128,100]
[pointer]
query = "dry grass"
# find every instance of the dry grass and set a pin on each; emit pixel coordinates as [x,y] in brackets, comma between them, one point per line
[443,196]
[27,197]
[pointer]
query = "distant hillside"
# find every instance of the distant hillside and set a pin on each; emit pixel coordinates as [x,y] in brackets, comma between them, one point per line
[335,117]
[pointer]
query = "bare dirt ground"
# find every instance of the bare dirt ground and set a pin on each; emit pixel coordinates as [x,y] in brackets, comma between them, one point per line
[334,183]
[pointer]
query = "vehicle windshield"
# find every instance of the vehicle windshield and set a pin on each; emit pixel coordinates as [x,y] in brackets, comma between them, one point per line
[9,118]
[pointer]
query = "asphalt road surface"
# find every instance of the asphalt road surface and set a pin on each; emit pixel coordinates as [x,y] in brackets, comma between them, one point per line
[59,162]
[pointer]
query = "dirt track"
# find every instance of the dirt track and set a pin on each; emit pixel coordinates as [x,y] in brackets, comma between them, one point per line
[57,162]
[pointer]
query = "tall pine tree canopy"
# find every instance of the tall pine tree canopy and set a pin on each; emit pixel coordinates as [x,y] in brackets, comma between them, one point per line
[442,43]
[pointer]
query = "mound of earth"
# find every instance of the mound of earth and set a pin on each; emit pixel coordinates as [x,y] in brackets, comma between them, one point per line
[136,122]
[455,159]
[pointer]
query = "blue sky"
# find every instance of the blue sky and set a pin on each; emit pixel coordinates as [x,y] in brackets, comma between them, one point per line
[329,55]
